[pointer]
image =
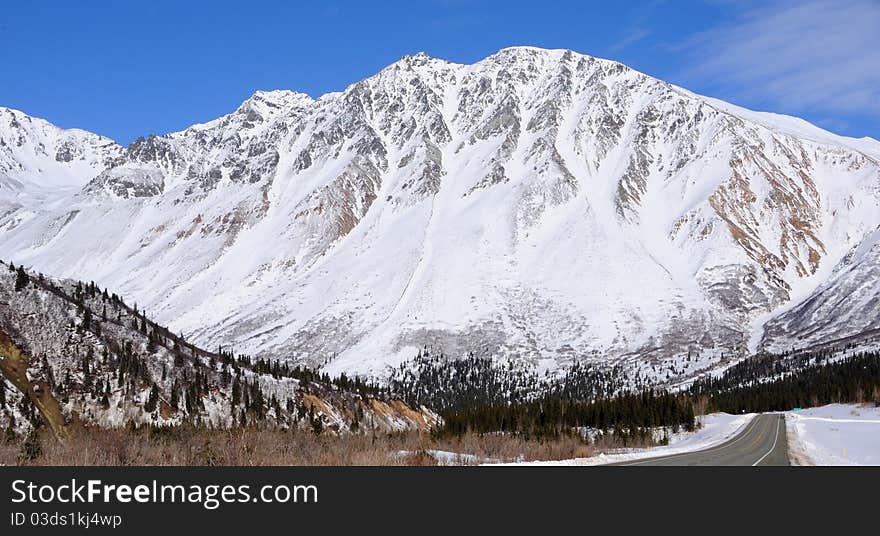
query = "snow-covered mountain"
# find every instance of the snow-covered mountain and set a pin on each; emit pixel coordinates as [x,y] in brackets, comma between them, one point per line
[41,163]
[539,204]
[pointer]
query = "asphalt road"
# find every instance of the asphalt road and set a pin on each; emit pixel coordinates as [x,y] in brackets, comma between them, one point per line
[762,442]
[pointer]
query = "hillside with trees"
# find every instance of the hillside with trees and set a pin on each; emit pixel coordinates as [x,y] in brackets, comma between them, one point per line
[75,354]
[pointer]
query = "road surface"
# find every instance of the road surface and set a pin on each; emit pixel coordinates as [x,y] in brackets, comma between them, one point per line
[762,442]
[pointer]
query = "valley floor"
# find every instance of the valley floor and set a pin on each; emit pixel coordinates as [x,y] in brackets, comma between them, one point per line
[836,434]
[199,446]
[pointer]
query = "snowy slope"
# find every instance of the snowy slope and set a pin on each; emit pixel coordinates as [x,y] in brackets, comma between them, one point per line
[539,203]
[843,309]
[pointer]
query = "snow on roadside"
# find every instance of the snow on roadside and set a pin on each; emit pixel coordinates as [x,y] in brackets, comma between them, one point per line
[445,457]
[717,428]
[836,434]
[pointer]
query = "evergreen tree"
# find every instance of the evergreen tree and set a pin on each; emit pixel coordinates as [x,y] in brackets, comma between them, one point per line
[87,320]
[152,400]
[21,279]
[175,396]
[236,392]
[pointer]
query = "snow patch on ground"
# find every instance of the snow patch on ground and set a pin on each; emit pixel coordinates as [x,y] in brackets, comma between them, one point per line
[446,457]
[716,429]
[836,434]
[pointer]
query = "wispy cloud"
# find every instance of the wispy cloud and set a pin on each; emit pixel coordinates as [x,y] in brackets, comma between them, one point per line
[818,56]
[637,28]
[632,38]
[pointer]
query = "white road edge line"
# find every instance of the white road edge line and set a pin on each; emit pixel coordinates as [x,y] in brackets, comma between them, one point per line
[761,459]
[720,446]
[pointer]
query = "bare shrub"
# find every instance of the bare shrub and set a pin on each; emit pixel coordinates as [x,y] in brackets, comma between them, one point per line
[250,446]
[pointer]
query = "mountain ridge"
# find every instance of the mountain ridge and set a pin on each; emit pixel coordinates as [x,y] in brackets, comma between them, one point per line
[733,109]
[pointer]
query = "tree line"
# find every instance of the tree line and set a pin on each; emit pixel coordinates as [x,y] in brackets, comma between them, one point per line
[811,379]
[624,415]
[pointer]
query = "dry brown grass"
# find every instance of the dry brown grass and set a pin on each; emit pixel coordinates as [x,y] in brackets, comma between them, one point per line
[9,452]
[202,447]
[189,446]
[507,448]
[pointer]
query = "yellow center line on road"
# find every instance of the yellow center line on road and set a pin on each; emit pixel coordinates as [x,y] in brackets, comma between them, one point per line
[772,448]
[758,437]
[745,433]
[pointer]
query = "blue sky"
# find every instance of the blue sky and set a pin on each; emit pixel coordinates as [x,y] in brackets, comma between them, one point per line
[125,69]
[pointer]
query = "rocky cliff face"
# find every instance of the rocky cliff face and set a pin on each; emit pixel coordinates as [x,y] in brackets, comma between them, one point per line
[539,203]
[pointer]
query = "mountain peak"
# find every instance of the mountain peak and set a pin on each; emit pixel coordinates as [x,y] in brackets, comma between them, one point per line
[419,59]
[527,52]
[278,96]
[527,49]
[279,99]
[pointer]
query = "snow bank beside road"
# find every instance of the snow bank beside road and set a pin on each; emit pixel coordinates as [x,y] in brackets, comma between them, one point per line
[717,428]
[836,434]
